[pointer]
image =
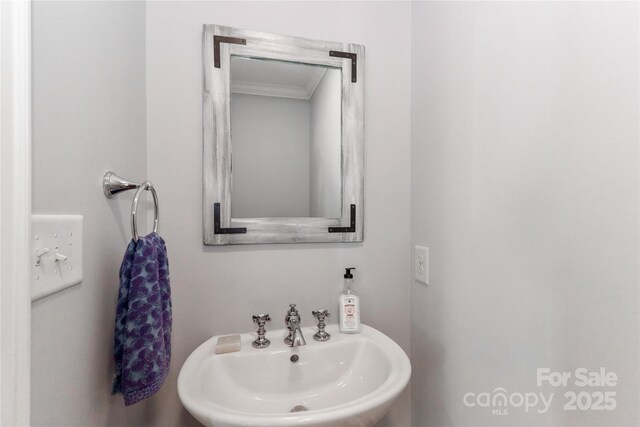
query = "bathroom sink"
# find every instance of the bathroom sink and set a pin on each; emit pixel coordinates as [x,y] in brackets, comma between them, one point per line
[350,380]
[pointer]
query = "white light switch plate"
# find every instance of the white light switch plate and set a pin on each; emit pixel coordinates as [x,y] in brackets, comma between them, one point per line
[58,241]
[421,264]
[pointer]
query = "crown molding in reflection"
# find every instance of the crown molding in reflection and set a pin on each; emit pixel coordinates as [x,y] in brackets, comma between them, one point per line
[281,91]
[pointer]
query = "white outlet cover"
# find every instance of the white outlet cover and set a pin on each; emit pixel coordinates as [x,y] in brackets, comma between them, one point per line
[55,235]
[421,264]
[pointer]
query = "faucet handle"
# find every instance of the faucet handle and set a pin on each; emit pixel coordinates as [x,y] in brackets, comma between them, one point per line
[291,314]
[320,314]
[261,320]
[321,335]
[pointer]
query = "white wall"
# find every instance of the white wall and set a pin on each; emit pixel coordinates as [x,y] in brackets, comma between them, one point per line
[217,289]
[325,153]
[88,116]
[525,188]
[270,143]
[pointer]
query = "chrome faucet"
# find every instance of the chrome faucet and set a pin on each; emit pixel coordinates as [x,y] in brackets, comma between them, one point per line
[292,320]
[297,340]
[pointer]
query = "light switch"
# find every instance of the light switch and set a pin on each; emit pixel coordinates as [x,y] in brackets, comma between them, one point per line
[56,247]
[421,264]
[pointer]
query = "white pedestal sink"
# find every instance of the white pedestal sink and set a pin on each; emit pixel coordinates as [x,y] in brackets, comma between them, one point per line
[350,380]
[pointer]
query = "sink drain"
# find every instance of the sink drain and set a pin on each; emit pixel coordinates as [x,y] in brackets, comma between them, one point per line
[299,408]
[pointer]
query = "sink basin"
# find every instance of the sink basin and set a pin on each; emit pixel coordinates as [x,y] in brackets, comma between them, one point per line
[350,380]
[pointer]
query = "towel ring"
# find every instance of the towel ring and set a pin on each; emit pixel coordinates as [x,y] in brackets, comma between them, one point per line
[134,208]
[112,184]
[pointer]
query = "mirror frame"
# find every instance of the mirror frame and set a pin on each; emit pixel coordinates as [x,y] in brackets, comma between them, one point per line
[219,227]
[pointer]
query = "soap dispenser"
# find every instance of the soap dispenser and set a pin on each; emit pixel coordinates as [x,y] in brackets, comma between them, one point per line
[349,302]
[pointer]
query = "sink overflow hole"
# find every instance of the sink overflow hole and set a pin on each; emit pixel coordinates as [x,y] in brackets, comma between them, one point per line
[294,359]
[299,408]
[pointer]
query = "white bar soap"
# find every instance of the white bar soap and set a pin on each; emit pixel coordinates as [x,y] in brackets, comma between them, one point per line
[228,344]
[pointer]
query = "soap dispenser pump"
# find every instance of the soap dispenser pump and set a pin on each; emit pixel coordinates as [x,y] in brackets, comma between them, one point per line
[349,302]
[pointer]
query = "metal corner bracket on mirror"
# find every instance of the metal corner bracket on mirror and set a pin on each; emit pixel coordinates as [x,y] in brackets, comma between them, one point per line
[352,224]
[354,62]
[216,46]
[221,230]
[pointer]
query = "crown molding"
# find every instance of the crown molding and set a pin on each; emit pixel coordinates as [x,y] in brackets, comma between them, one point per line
[280,91]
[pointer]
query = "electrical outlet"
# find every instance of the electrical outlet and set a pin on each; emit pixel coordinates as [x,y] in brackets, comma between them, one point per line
[421,264]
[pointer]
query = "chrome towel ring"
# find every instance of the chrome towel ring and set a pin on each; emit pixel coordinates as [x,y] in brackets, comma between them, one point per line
[113,184]
[134,208]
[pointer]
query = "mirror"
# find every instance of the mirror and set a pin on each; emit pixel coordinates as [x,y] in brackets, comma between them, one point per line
[285,139]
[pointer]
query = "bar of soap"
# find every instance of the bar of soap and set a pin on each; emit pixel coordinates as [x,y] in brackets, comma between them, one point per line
[228,344]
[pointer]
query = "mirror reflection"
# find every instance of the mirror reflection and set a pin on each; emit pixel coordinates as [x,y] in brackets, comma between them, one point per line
[285,139]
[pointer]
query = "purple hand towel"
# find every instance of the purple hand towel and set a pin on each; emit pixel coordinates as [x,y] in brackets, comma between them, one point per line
[142,343]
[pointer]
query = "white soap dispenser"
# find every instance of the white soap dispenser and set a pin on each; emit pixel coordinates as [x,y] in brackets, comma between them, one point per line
[349,302]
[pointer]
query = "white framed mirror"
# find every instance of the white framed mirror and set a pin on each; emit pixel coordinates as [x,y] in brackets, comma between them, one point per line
[283,139]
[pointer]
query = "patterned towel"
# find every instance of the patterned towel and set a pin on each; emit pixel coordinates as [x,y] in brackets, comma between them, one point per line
[142,343]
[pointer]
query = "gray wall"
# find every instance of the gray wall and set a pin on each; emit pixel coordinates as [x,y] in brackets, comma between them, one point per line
[325,153]
[525,188]
[270,143]
[88,116]
[217,289]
